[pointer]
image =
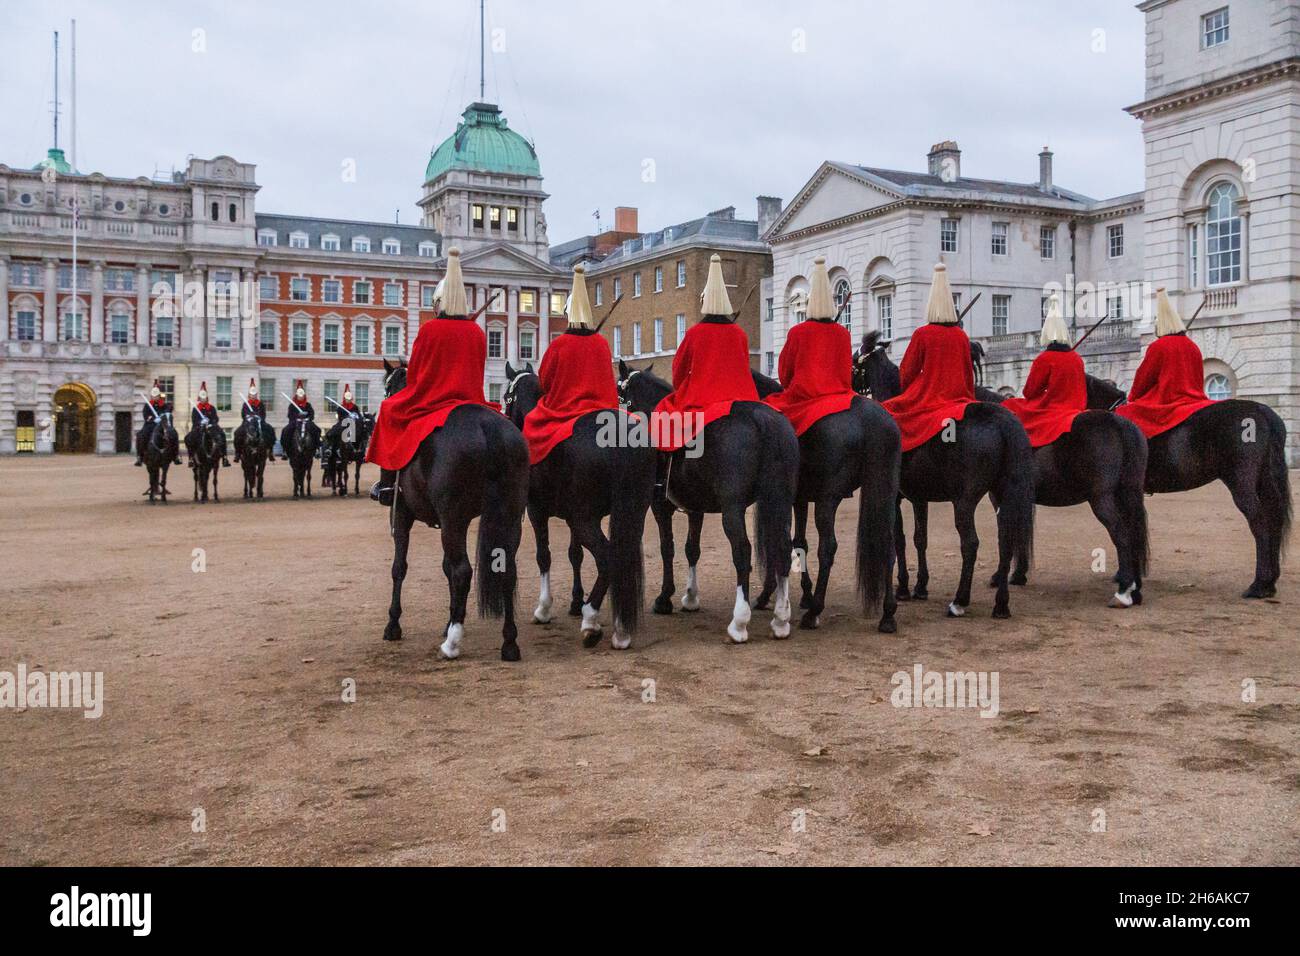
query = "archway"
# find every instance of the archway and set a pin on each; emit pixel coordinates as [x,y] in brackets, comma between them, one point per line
[74,418]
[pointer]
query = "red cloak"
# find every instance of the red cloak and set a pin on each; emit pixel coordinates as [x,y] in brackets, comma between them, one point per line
[1056,391]
[577,377]
[445,371]
[1169,386]
[816,371]
[937,381]
[710,372]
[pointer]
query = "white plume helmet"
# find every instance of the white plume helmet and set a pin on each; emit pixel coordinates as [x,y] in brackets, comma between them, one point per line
[1054,327]
[347,393]
[1168,321]
[715,298]
[821,304]
[939,308]
[252,388]
[449,295]
[579,306]
[155,391]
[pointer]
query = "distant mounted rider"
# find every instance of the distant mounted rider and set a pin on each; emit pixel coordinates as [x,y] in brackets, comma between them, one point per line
[153,410]
[252,411]
[204,415]
[300,408]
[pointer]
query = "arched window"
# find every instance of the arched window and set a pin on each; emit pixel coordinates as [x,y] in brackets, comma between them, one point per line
[216,211]
[1218,387]
[1222,236]
[234,213]
[844,301]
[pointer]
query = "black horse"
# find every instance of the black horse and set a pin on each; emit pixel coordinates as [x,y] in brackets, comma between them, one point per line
[258,449]
[474,466]
[988,453]
[750,456]
[582,480]
[206,444]
[856,448]
[1239,442]
[303,442]
[345,444]
[1101,460]
[159,453]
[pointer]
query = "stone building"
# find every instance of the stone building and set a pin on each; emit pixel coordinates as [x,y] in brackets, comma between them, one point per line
[183,280]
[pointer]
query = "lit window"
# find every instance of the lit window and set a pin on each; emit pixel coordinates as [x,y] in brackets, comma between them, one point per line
[557,303]
[1047,242]
[1223,236]
[999,247]
[494,217]
[476,214]
[512,219]
[1001,313]
[948,235]
[1214,28]
[1115,241]
[528,302]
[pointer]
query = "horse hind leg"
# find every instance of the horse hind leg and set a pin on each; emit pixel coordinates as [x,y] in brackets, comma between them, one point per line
[733,523]
[577,594]
[1246,498]
[824,516]
[456,566]
[801,548]
[595,541]
[542,535]
[904,590]
[1111,516]
[402,521]
[921,541]
[964,518]
[694,528]
[662,511]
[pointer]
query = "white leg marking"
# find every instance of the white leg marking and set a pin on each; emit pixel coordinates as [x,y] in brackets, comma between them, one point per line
[1123,598]
[738,629]
[590,622]
[796,561]
[543,613]
[620,638]
[781,611]
[451,646]
[955,610]
[691,598]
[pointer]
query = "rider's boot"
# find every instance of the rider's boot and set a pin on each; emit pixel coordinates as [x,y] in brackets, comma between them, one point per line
[382,490]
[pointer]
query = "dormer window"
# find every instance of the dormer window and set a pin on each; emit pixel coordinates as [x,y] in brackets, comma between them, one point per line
[329,243]
[429,250]
[297,240]
[392,247]
[360,244]
[266,238]
[1214,28]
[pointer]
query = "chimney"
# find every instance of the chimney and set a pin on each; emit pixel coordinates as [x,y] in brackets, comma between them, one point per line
[625,219]
[1045,170]
[945,160]
[769,210]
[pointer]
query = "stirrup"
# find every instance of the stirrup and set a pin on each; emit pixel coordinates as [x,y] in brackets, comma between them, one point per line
[381,493]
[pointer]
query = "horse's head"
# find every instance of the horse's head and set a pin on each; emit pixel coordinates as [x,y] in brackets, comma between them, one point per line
[1104,394]
[874,373]
[640,389]
[394,377]
[765,384]
[523,391]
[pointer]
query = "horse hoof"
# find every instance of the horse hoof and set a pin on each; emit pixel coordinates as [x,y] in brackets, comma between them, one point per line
[809,621]
[393,632]
[510,652]
[739,634]
[662,605]
[591,638]
[887,625]
[955,610]
[1137,597]
[920,594]
[780,629]
[1020,579]
[902,594]
[1002,613]
[690,601]
[1257,590]
[620,641]
[542,616]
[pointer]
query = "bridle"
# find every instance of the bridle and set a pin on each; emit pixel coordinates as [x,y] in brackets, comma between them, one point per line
[623,385]
[508,398]
[388,379]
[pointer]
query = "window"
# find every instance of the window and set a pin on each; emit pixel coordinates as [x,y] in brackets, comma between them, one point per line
[844,301]
[681,327]
[618,342]
[65,278]
[512,219]
[527,345]
[392,247]
[331,290]
[164,332]
[360,244]
[268,332]
[1001,312]
[25,274]
[1114,305]
[215,211]
[885,314]
[496,344]
[297,240]
[330,338]
[1042,305]
[528,301]
[956,302]
[770,312]
[999,247]
[1214,28]
[361,292]
[476,215]
[392,340]
[361,340]
[74,327]
[26,326]
[636,338]
[770,363]
[494,392]
[600,294]
[361,395]
[1223,236]
[659,278]
[298,342]
[300,290]
[221,334]
[494,217]
[392,293]
[1193,265]
[498,299]
[233,212]
[167,385]
[330,390]
[557,303]
[225,391]
[681,273]
[1218,387]
[429,250]
[268,288]
[265,238]
[1115,241]
[426,296]
[1047,242]
[659,335]
[119,280]
[119,328]
[329,243]
[948,235]
[636,285]
[267,393]
[618,289]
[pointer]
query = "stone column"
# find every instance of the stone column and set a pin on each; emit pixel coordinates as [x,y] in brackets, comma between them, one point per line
[97,301]
[512,325]
[4,298]
[543,323]
[50,325]
[199,323]
[142,270]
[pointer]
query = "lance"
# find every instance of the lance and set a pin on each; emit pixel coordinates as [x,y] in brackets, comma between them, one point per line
[609,313]
[736,315]
[248,406]
[345,410]
[1091,329]
[1197,312]
[201,415]
[970,305]
[148,401]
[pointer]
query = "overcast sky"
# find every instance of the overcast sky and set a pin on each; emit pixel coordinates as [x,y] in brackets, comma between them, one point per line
[729,99]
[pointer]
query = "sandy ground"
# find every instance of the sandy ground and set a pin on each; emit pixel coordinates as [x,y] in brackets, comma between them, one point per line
[224,692]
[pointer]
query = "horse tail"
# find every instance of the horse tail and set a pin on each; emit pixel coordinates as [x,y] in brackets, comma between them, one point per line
[779,459]
[1016,490]
[499,525]
[1274,486]
[633,476]
[876,505]
[1132,501]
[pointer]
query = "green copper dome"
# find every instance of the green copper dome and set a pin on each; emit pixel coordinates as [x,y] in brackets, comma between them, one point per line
[56,159]
[482,142]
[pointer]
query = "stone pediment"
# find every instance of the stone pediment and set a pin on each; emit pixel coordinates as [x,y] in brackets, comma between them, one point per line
[504,259]
[831,194]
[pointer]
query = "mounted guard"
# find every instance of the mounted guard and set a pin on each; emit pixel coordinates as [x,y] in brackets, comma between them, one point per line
[252,411]
[152,410]
[1169,385]
[204,415]
[300,408]
[1057,388]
